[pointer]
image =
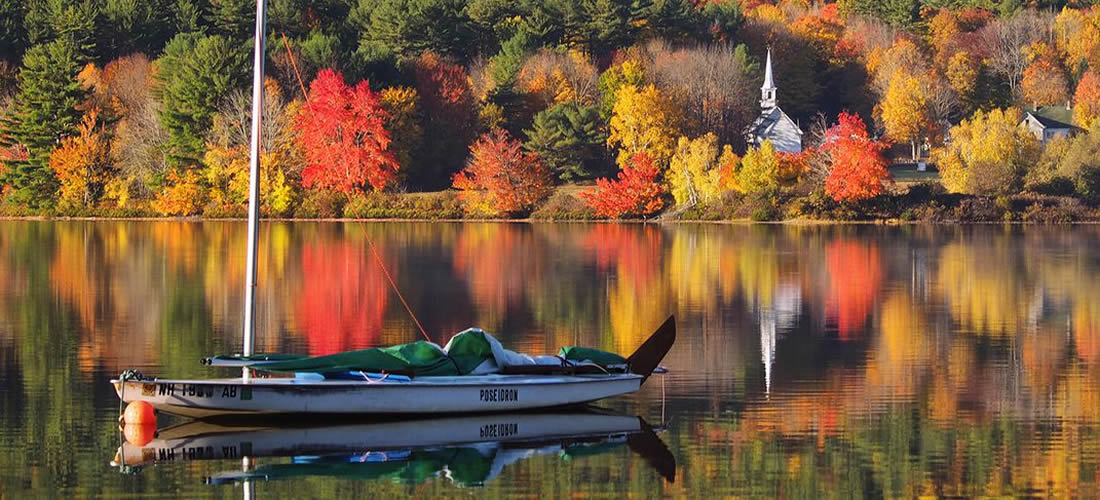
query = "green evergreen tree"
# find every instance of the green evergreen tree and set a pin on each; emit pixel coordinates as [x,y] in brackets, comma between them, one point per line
[409,27]
[570,138]
[607,25]
[233,18]
[674,20]
[13,37]
[45,112]
[195,73]
[723,19]
[72,20]
[130,26]
[186,16]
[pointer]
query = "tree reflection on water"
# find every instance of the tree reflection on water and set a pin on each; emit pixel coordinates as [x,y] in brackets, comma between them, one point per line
[812,361]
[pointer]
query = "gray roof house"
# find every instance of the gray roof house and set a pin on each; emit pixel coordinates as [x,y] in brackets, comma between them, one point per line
[773,124]
[1049,123]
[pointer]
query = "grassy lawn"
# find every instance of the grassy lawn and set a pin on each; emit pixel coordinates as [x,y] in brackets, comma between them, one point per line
[907,175]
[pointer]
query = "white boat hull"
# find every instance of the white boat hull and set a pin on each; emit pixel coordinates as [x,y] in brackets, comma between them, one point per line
[425,395]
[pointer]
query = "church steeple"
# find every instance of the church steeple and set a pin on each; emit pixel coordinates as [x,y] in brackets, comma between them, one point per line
[767,92]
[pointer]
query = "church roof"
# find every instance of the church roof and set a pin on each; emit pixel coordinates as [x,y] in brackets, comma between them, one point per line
[769,118]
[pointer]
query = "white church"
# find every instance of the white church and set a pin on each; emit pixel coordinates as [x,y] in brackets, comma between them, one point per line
[773,124]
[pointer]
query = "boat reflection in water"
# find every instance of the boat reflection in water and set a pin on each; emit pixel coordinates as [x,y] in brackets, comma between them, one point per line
[468,450]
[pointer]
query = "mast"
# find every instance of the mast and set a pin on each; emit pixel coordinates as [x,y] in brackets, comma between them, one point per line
[254,182]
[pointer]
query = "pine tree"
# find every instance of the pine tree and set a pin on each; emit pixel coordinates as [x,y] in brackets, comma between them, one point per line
[13,37]
[570,139]
[195,73]
[233,18]
[130,26]
[45,112]
[72,20]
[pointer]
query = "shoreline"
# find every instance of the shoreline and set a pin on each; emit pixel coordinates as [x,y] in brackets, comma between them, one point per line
[529,220]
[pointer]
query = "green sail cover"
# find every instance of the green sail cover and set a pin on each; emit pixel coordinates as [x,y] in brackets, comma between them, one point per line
[467,350]
[463,355]
[582,354]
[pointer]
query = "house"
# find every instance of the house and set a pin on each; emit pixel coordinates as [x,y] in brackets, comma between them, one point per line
[1049,122]
[773,124]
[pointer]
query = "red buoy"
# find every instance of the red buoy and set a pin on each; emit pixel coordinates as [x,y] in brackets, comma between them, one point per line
[139,412]
[139,434]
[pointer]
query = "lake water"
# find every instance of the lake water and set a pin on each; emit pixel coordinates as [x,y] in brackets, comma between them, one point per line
[818,361]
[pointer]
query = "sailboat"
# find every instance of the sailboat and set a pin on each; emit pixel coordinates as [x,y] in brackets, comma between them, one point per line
[472,374]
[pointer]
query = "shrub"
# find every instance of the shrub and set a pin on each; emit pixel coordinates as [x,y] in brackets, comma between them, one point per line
[321,204]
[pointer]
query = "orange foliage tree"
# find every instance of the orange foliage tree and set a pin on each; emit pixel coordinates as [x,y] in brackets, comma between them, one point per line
[501,177]
[342,134]
[1044,82]
[82,163]
[635,192]
[1086,106]
[858,168]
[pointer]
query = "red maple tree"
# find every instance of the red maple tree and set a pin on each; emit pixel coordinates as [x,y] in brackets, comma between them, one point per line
[501,177]
[634,193]
[859,168]
[341,132]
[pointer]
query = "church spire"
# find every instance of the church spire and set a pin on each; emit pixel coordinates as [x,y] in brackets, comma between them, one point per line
[767,92]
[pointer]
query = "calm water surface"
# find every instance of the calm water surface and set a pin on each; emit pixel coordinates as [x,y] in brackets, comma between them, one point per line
[811,362]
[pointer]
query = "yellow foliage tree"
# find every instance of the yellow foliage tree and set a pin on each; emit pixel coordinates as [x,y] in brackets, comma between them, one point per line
[82,163]
[643,121]
[406,135]
[904,109]
[988,154]
[226,172]
[183,194]
[694,173]
[962,73]
[759,169]
[1077,36]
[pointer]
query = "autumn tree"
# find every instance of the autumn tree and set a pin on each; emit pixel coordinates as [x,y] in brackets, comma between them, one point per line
[44,113]
[1077,37]
[759,170]
[226,161]
[1086,107]
[713,87]
[1005,42]
[447,104]
[1081,163]
[629,72]
[403,106]
[82,163]
[694,173]
[634,193]
[858,168]
[570,139]
[643,121]
[342,131]
[904,110]
[501,178]
[553,77]
[989,153]
[1044,82]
